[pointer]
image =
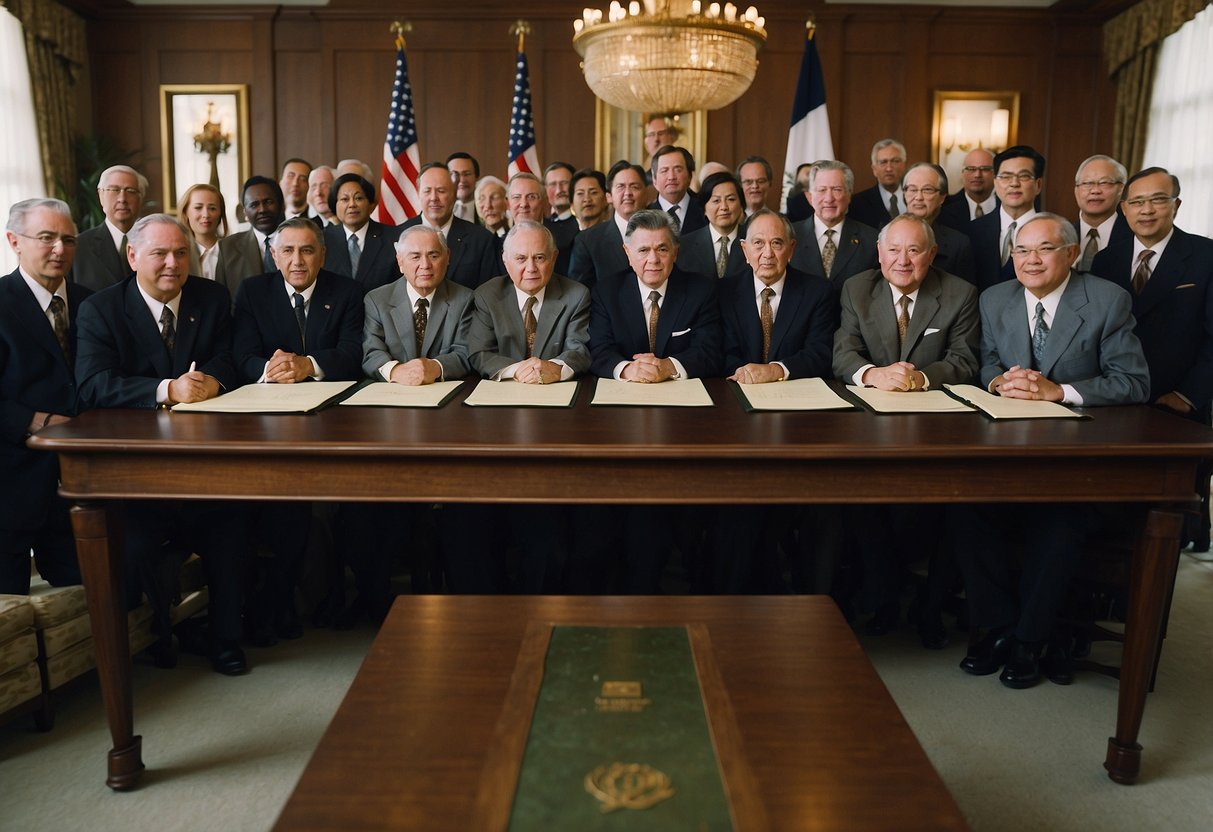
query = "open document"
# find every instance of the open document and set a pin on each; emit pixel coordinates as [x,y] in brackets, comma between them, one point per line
[919,401]
[384,394]
[998,407]
[304,397]
[681,393]
[511,393]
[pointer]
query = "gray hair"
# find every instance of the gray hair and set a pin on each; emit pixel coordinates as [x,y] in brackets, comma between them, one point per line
[134,237]
[522,174]
[919,221]
[1121,173]
[363,168]
[829,164]
[484,182]
[19,213]
[418,229]
[650,219]
[767,212]
[883,143]
[940,175]
[528,225]
[139,178]
[1069,234]
[302,223]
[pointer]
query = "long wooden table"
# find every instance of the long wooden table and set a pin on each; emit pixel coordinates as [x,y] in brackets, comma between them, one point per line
[718,455]
[431,733]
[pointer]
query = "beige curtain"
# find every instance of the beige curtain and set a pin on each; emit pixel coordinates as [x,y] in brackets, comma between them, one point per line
[1130,45]
[56,48]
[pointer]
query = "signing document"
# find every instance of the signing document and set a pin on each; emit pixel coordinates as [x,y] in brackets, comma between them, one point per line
[271,398]
[920,401]
[384,394]
[797,394]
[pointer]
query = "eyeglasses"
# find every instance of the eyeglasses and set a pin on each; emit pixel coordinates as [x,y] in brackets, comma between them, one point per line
[896,160]
[1088,184]
[112,190]
[47,240]
[1022,176]
[755,183]
[1043,250]
[926,191]
[971,169]
[655,134]
[1158,201]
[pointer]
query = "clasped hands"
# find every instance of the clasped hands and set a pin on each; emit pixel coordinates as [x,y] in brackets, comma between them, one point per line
[757,374]
[193,386]
[287,368]
[416,372]
[901,377]
[647,368]
[1022,383]
[537,371]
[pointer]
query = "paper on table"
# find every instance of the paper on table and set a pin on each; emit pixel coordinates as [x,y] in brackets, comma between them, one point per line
[513,394]
[920,401]
[270,398]
[797,394]
[385,394]
[998,407]
[683,393]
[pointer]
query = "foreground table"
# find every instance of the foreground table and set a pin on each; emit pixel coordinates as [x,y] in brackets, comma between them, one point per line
[589,454]
[430,734]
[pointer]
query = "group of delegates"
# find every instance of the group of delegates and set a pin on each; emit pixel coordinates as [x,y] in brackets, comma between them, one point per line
[1115,308]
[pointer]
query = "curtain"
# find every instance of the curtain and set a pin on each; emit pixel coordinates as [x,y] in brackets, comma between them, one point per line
[1181,110]
[20,162]
[1130,44]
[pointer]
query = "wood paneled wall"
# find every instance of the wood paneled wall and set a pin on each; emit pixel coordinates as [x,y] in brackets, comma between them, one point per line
[320,79]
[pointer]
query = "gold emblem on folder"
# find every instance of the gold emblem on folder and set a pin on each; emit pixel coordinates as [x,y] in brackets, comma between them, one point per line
[628,786]
[621,697]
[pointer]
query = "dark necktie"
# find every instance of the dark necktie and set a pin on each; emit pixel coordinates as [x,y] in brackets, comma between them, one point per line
[1142,274]
[722,257]
[654,311]
[421,319]
[168,331]
[894,211]
[978,211]
[766,317]
[1040,334]
[903,319]
[1007,242]
[1089,252]
[355,255]
[267,257]
[529,325]
[673,212]
[122,251]
[59,324]
[828,252]
[301,317]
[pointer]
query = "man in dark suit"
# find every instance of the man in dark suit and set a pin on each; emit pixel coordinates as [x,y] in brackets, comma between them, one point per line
[589,195]
[358,246]
[599,250]
[465,172]
[1098,186]
[883,201]
[1057,335]
[247,253]
[101,250]
[830,244]
[672,168]
[473,254]
[798,207]
[156,339]
[976,198]
[715,250]
[1018,179]
[38,309]
[925,186]
[292,325]
[557,182]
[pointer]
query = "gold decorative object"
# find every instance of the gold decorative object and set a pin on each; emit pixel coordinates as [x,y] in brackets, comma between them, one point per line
[669,56]
[628,786]
[212,141]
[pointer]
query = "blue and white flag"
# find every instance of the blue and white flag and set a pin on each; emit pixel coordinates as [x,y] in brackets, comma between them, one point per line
[809,137]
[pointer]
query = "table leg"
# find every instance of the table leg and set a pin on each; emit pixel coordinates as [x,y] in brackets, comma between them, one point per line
[1155,557]
[101,568]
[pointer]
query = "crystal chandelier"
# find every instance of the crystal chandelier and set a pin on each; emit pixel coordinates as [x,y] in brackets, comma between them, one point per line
[669,56]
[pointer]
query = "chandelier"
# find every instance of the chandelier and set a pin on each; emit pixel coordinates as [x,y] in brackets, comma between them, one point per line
[669,56]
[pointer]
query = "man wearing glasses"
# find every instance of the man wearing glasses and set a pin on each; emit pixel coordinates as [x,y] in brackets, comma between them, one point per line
[884,200]
[1097,188]
[976,198]
[1018,179]
[101,250]
[925,187]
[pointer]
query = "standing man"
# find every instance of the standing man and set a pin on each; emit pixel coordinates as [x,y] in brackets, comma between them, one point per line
[589,198]
[715,250]
[294,183]
[1098,185]
[658,132]
[247,253]
[101,250]
[38,308]
[465,171]
[672,168]
[599,251]
[925,187]
[1058,335]
[319,183]
[755,175]
[976,198]
[472,252]
[151,341]
[1018,179]
[830,243]
[884,200]
[557,180]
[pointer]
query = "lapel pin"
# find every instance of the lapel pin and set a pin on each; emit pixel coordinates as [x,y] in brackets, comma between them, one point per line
[328,306]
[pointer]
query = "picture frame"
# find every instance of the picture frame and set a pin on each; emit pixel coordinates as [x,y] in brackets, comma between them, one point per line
[619,134]
[965,120]
[204,136]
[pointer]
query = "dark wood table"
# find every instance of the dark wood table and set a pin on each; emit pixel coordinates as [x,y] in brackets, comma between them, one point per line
[430,734]
[719,455]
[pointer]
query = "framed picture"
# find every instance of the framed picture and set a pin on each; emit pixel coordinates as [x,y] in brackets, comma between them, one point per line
[204,136]
[966,120]
[619,134]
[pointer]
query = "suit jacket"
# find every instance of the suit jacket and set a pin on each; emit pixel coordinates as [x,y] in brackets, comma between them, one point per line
[695,218]
[475,253]
[1091,344]
[564,232]
[121,359]
[598,251]
[98,263]
[35,376]
[941,341]
[955,255]
[239,257]
[955,212]
[856,250]
[799,207]
[985,233]
[697,255]
[1174,313]
[377,263]
[1119,233]
[388,333]
[801,334]
[497,337]
[265,322]
[871,207]
[688,326]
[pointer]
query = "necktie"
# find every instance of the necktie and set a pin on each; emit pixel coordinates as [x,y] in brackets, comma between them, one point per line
[894,211]
[1089,251]
[903,319]
[1040,334]
[1007,242]
[529,325]
[978,211]
[355,255]
[722,257]
[654,311]
[59,324]
[766,318]
[168,332]
[267,257]
[1142,273]
[673,212]
[122,249]
[301,317]
[828,251]
[421,319]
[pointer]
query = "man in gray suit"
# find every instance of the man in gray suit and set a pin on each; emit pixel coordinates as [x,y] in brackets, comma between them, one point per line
[1057,335]
[248,253]
[830,244]
[101,250]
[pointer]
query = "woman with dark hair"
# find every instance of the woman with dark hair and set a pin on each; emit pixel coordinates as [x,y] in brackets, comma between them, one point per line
[715,251]
[358,246]
[204,213]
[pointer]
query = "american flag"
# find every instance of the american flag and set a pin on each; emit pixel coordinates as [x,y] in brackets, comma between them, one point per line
[398,198]
[523,158]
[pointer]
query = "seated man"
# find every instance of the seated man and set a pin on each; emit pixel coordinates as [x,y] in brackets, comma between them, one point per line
[156,339]
[1059,335]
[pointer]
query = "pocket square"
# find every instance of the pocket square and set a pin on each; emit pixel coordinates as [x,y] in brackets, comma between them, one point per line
[930,331]
[1186,286]
[676,334]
